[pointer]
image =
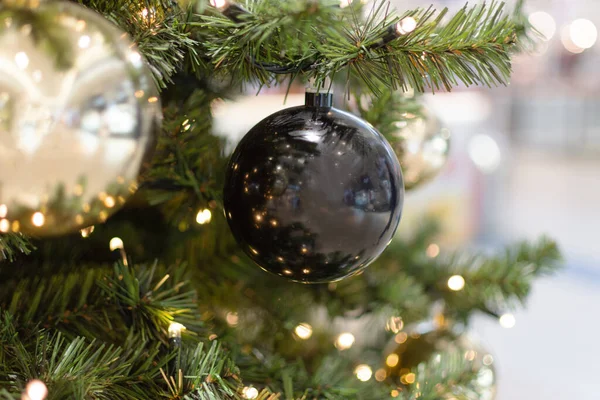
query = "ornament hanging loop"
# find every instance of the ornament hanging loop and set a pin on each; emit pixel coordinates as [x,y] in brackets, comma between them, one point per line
[319,95]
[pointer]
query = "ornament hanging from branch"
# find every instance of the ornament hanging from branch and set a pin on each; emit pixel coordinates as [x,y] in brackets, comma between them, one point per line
[422,145]
[312,193]
[78,116]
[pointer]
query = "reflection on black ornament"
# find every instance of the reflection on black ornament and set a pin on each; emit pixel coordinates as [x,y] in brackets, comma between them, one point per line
[313,194]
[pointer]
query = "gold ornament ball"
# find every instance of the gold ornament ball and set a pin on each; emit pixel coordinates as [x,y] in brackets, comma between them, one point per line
[422,145]
[409,349]
[79,113]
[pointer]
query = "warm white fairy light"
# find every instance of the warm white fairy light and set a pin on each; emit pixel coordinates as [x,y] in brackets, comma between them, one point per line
[3,210]
[507,321]
[175,329]
[394,324]
[456,283]
[86,232]
[116,243]
[4,225]
[344,341]
[35,390]
[406,25]
[109,202]
[392,360]
[304,331]
[38,219]
[363,372]
[203,216]
[345,3]
[250,392]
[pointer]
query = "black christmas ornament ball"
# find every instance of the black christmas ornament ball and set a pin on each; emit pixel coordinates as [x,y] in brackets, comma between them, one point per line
[312,193]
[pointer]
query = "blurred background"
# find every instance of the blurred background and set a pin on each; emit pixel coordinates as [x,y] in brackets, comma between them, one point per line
[525,161]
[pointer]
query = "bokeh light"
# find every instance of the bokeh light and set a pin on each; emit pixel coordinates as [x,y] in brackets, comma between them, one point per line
[507,321]
[543,23]
[456,283]
[363,372]
[303,331]
[485,153]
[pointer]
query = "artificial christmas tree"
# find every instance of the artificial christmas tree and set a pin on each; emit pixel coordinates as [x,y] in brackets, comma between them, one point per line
[160,301]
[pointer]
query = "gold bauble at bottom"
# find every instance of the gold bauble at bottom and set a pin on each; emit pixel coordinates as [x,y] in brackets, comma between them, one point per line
[410,349]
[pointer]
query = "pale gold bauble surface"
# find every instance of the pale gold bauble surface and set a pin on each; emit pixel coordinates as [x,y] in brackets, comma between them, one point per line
[79,113]
[422,145]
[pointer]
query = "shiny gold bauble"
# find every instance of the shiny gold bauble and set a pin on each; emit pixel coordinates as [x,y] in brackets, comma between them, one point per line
[422,145]
[415,346]
[79,113]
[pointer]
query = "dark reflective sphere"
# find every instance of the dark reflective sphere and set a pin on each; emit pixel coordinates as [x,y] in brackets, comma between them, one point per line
[313,195]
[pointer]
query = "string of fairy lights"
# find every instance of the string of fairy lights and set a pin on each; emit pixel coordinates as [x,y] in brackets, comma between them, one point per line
[37,389]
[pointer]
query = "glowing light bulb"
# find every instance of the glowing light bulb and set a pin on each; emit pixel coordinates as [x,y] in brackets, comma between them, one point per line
[507,321]
[38,219]
[4,225]
[392,360]
[408,378]
[583,33]
[175,329]
[394,324]
[116,243]
[35,390]
[363,372]
[456,283]
[250,392]
[22,60]
[543,23]
[86,232]
[345,3]
[304,331]
[485,153]
[344,341]
[109,202]
[3,210]
[203,216]
[406,25]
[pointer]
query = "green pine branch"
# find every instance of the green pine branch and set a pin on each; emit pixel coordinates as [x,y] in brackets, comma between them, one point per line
[473,47]
[96,304]
[494,284]
[13,244]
